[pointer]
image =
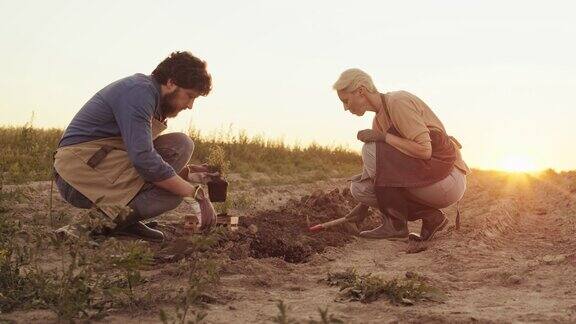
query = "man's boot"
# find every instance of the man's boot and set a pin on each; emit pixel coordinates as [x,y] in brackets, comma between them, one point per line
[132,226]
[433,221]
[393,228]
[141,231]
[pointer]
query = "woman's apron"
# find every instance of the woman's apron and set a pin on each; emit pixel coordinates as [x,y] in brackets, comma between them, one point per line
[102,171]
[395,169]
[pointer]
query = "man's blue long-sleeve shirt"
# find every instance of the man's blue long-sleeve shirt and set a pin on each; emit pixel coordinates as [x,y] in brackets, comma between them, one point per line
[124,108]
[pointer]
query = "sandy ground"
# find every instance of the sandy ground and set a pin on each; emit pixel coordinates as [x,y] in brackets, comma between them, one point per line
[513,260]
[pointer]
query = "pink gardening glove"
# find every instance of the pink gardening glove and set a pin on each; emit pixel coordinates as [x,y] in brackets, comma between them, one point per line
[207,218]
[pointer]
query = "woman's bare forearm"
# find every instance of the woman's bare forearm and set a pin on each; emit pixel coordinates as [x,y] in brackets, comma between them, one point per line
[408,147]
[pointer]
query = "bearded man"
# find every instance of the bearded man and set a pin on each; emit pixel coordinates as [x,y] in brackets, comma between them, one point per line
[112,153]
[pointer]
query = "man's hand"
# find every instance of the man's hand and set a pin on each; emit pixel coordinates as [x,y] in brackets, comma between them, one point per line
[370,135]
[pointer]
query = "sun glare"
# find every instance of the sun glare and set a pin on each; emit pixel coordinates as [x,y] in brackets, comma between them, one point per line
[518,163]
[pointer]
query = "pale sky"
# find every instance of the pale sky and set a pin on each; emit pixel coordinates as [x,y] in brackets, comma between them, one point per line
[501,75]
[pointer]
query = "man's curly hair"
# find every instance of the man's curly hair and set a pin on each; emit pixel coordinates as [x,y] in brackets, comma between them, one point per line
[186,71]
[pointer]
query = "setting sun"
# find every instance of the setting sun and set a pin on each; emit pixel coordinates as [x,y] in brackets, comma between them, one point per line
[518,163]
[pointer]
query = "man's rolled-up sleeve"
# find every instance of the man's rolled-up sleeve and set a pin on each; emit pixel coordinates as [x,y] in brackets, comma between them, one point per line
[133,115]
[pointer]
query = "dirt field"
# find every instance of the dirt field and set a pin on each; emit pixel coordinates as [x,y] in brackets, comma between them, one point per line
[513,260]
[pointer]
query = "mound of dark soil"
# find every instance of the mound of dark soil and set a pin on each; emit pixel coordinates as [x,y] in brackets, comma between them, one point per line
[284,233]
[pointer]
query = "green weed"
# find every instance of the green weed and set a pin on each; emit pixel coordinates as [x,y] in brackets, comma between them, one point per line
[27,153]
[15,287]
[283,318]
[203,271]
[368,288]
[239,201]
[134,257]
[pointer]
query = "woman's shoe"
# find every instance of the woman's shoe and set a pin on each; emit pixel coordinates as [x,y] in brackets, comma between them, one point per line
[388,231]
[431,225]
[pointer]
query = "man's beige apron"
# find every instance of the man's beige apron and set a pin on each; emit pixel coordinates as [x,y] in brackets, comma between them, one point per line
[113,182]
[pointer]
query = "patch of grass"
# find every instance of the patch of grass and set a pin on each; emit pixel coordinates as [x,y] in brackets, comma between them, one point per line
[283,318]
[217,158]
[90,281]
[27,155]
[134,257]
[240,201]
[273,157]
[79,284]
[10,197]
[87,282]
[203,271]
[368,288]
[68,291]
[16,288]
[59,218]
[76,277]
[327,318]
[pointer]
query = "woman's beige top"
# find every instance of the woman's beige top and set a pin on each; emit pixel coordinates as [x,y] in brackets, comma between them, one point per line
[412,118]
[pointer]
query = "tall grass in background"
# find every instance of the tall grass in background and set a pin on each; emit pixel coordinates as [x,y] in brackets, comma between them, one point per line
[274,157]
[26,155]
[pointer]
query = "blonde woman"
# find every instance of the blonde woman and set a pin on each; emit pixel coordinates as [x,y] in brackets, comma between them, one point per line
[411,167]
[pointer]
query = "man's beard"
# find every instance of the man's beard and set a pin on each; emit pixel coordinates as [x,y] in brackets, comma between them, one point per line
[166,103]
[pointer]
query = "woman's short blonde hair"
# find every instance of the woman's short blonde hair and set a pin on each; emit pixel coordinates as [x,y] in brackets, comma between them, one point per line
[352,79]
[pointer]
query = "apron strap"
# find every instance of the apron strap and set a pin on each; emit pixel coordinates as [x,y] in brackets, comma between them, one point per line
[99,155]
[52,179]
[457,227]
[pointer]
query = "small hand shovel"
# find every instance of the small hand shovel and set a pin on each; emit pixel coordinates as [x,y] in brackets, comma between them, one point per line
[332,223]
[336,222]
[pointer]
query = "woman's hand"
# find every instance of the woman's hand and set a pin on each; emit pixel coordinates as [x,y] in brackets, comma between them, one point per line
[411,148]
[370,135]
